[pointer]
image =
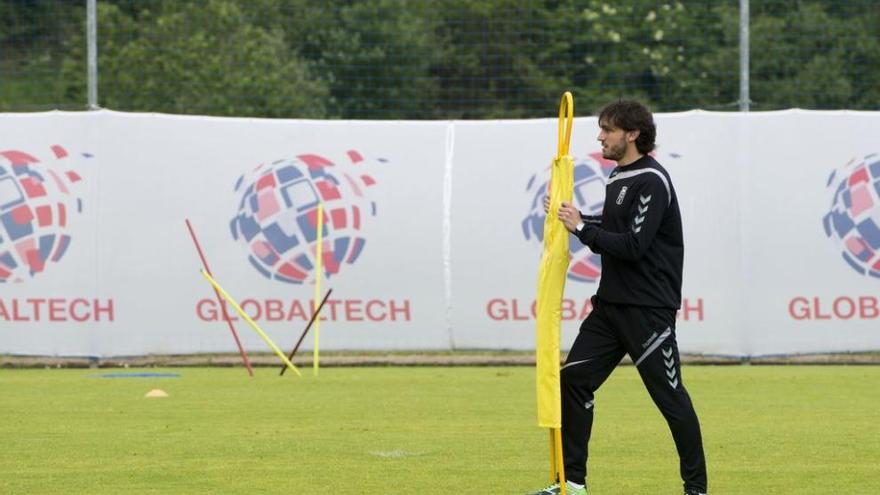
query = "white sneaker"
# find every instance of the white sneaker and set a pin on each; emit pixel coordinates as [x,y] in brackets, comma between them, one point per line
[569,490]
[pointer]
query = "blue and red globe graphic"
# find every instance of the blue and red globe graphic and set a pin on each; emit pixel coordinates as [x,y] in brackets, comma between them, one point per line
[590,177]
[854,218]
[38,201]
[277,219]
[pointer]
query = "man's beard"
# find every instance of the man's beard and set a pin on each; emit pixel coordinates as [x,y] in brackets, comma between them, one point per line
[614,152]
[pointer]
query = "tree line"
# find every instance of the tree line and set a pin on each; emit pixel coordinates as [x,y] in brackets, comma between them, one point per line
[441,59]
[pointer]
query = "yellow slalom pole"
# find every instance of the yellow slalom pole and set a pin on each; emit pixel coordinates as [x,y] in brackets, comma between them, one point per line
[318,255]
[250,322]
[551,284]
[560,465]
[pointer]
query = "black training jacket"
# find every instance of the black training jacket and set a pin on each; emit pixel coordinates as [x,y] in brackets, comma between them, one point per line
[639,238]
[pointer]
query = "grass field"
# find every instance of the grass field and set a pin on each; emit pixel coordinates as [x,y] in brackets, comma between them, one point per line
[767,430]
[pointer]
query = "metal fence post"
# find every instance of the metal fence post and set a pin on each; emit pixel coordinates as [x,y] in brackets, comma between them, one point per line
[92,41]
[744,99]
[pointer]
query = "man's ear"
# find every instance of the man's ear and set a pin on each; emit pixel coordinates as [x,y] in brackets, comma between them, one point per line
[631,136]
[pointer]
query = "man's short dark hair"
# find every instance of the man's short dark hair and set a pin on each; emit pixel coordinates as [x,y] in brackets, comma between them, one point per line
[631,115]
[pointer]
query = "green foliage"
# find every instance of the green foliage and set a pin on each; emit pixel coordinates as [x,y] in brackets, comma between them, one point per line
[202,58]
[376,56]
[808,58]
[35,22]
[31,48]
[500,59]
[411,59]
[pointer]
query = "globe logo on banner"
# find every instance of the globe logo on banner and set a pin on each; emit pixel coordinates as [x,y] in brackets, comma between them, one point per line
[37,204]
[854,219]
[590,177]
[277,219]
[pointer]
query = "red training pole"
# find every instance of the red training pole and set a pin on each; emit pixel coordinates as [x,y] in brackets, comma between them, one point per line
[301,337]
[244,356]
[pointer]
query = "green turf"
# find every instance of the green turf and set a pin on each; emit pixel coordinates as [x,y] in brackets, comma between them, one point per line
[768,430]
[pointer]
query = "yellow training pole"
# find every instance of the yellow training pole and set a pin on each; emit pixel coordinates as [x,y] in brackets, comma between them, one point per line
[560,465]
[551,285]
[250,321]
[318,255]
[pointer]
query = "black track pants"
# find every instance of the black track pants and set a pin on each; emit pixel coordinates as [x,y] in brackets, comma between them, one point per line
[648,336]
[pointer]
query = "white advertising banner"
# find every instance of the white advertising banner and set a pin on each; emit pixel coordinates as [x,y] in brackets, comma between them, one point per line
[811,233]
[432,233]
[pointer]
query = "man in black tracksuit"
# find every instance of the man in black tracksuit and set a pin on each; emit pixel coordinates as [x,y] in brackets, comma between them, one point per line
[639,237]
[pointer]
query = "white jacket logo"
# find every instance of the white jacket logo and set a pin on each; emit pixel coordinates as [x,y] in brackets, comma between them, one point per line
[621,195]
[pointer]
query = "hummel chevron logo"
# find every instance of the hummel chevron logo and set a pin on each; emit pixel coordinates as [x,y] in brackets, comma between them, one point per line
[643,208]
[669,362]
